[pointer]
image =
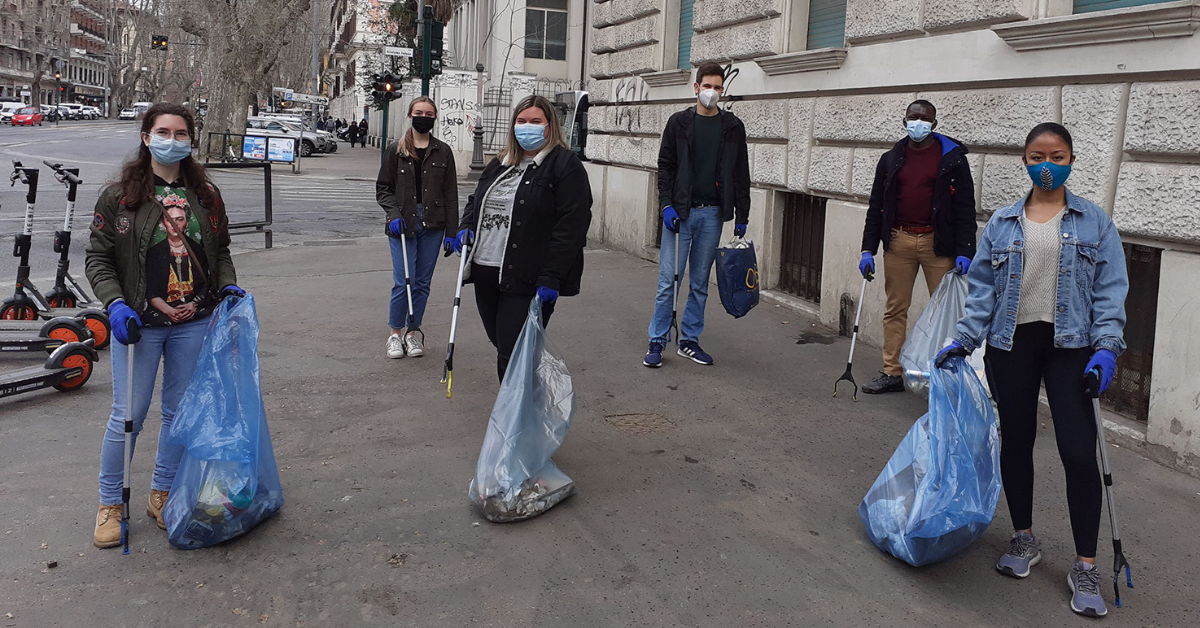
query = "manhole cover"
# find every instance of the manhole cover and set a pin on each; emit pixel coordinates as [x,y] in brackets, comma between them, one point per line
[640,423]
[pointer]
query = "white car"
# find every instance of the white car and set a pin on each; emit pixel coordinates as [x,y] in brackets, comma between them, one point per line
[308,141]
[91,113]
[8,109]
[127,114]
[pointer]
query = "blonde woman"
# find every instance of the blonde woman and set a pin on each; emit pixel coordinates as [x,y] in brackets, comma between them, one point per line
[525,226]
[418,189]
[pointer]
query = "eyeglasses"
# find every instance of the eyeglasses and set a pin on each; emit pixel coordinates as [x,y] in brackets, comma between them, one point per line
[166,134]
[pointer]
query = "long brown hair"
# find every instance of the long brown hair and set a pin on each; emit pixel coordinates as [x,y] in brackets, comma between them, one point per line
[512,152]
[407,147]
[136,179]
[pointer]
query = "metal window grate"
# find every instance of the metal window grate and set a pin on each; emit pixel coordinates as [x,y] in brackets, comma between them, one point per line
[803,246]
[497,107]
[1130,390]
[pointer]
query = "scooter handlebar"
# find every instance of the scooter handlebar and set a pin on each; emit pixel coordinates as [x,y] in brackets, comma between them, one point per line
[62,174]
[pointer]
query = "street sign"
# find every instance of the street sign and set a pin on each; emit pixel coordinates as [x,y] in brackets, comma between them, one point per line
[306,98]
[281,89]
[289,95]
[397,51]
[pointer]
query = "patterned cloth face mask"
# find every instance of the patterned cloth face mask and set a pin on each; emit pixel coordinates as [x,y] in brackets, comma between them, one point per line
[1048,175]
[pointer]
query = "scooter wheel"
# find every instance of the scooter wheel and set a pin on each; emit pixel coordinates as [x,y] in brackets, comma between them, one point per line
[64,331]
[18,313]
[98,322]
[57,302]
[78,358]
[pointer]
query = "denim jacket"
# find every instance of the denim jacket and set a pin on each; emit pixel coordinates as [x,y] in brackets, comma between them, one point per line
[1092,283]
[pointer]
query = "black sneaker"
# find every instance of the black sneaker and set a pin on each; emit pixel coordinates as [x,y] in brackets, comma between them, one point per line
[885,384]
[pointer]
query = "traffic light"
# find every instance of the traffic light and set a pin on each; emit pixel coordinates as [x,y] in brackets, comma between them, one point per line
[436,40]
[386,87]
[158,42]
[58,76]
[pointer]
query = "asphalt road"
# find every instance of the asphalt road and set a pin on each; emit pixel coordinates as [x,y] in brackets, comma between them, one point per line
[333,196]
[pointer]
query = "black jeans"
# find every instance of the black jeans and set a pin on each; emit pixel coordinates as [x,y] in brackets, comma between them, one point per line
[503,313]
[1016,377]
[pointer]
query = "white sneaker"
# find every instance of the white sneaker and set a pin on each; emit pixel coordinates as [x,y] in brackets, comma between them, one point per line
[413,344]
[395,346]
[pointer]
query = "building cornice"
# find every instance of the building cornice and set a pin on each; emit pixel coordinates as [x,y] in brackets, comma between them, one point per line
[1155,21]
[805,61]
[667,78]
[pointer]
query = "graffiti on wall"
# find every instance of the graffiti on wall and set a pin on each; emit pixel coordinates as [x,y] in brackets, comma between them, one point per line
[457,119]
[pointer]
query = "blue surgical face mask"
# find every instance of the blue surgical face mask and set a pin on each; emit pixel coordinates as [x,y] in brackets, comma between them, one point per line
[918,130]
[168,151]
[1048,175]
[530,136]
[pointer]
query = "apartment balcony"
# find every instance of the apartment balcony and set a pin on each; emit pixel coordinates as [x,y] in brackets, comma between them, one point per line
[15,43]
[86,33]
[87,9]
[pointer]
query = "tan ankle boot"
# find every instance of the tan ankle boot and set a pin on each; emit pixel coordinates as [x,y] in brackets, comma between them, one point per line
[108,527]
[158,499]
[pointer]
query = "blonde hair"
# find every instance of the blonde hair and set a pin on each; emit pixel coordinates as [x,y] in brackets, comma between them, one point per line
[513,153]
[407,146]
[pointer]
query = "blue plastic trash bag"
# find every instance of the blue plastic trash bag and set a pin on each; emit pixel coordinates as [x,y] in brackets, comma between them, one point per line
[938,492]
[227,481]
[935,328]
[515,478]
[737,277]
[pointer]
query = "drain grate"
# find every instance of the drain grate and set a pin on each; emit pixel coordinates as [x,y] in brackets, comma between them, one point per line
[640,423]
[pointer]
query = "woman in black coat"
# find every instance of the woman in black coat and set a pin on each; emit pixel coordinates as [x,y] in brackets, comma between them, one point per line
[525,226]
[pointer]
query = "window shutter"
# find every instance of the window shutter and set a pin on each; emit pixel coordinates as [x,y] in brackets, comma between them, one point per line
[685,34]
[826,24]
[1088,6]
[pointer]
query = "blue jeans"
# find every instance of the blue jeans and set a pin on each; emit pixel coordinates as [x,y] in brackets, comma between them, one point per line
[423,251]
[178,348]
[698,237]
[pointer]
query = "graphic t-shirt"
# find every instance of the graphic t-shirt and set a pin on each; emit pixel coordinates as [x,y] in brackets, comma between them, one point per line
[497,216]
[174,280]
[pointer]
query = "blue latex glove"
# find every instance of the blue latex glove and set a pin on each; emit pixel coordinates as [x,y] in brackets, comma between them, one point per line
[396,227]
[952,350]
[232,290]
[448,246]
[670,219]
[962,264]
[547,295]
[866,265]
[739,231]
[119,316]
[466,237]
[1106,361]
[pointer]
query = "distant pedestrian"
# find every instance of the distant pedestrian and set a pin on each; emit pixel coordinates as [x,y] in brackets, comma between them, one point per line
[159,257]
[352,134]
[531,210]
[1052,308]
[362,133]
[922,209]
[417,187]
[703,181]
[320,124]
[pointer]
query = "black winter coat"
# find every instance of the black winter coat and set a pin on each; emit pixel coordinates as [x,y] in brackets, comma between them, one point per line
[551,215]
[953,201]
[733,166]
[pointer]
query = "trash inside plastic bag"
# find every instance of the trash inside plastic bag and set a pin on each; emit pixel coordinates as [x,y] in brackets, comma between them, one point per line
[936,328]
[737,277]
[227,480]
[515,478]
[939,490]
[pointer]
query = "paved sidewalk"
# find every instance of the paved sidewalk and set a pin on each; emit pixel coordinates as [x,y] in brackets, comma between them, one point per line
[708,496]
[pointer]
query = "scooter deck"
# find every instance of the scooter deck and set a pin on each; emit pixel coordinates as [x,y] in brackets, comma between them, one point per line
[25,341]
[29,379]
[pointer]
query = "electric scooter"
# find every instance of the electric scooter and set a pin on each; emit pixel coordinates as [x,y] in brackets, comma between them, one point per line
[66,291]
[68,368]
[27,303]
[53,334]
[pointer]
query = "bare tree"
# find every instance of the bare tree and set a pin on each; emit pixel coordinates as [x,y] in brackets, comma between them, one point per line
[45,27]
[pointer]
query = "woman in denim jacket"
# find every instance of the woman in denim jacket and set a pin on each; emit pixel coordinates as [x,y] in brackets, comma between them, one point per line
[1047,288]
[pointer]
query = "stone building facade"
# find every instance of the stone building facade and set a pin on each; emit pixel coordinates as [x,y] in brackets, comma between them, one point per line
[1124,80]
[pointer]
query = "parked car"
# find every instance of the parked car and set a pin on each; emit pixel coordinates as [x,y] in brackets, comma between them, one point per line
[325,142]
[309,142]
[91,113]
[9,109]
[28,116]
[127,114]
[49,113]
[73,111]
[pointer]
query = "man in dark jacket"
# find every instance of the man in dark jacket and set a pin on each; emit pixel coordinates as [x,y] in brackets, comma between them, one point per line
[703,181]
[923,211]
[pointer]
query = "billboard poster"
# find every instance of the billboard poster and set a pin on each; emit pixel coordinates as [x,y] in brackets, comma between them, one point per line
[254,147]
[281,149]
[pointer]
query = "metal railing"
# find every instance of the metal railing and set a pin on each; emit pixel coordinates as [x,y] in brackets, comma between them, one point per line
[255,226]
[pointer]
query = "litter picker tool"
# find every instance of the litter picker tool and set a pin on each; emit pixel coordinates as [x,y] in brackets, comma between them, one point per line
[675,293]
[849,374]
[135,334]
[1092,383]
[408,288]
[448,371]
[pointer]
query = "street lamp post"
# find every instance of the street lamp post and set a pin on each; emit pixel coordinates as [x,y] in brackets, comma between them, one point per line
[477,149]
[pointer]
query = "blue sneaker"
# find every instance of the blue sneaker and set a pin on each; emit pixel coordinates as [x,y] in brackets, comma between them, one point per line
[691,349]
[1024,551]
[1084,580]
[653,357]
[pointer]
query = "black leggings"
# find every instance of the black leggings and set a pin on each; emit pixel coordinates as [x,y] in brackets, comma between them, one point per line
[1016,377]
[503,313]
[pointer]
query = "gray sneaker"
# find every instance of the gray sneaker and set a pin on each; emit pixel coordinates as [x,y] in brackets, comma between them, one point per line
[1024,551]
[1084,580]
[414,344]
